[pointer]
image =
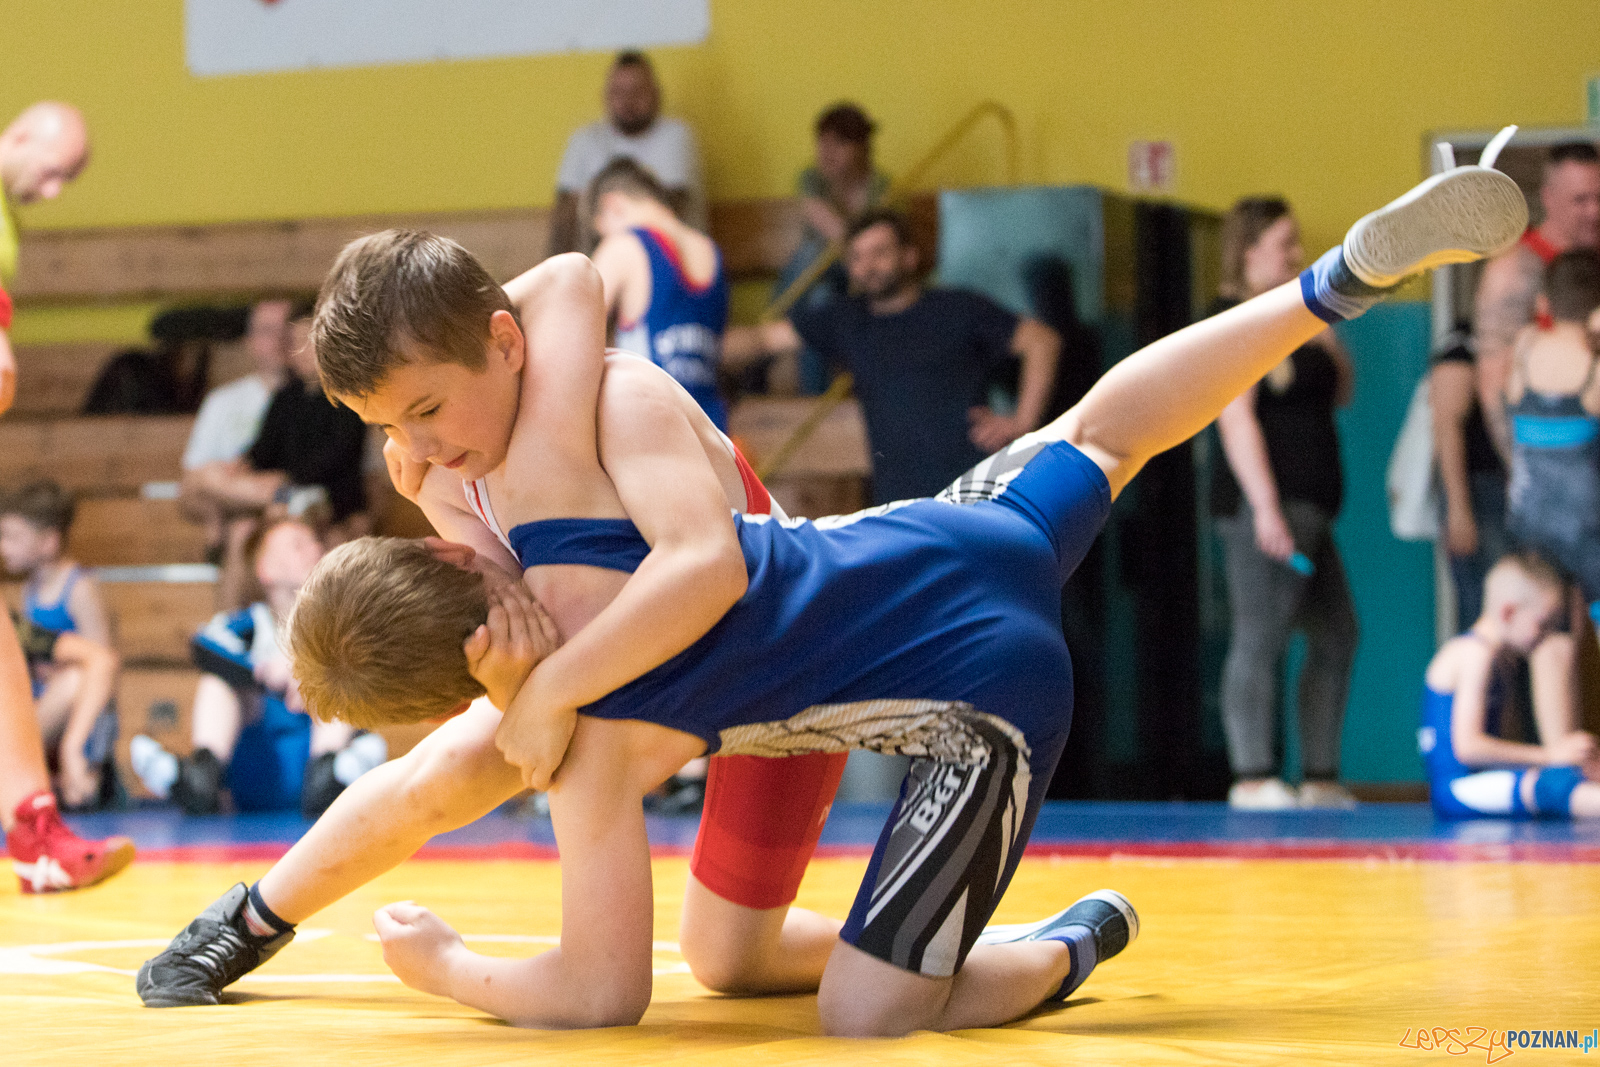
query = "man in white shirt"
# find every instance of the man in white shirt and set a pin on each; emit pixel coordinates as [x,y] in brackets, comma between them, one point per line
[229,421]
[633,127]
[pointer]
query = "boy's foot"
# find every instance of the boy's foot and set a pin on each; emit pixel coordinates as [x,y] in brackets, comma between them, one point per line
[1464,214]
[212,952]
[48,857]
[198,789]
[1268,794]
[1323,794]
[1095,928]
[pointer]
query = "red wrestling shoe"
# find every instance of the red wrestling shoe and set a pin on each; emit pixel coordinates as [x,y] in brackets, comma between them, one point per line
[48,857]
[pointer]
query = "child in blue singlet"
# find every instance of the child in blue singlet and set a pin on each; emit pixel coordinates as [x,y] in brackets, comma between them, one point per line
[74,700]
[1472,771]
[926,627]
[665,287]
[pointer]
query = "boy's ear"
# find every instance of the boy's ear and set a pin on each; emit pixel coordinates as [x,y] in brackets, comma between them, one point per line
[506,341]
[1541,307]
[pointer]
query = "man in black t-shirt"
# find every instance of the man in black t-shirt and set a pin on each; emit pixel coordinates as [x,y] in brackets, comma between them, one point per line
[922,360]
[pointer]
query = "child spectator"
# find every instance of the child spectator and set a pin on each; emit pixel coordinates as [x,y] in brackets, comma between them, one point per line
[665,288]
[73,681]
[250,731]
[1472,772]
[1553,399]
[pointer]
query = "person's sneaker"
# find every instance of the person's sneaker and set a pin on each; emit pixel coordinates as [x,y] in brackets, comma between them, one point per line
[1270,794]
[1110,919]
[679,796]
[1321,794]
[1461,215]
[49,857]
[212,952]
[156,767]
[198,789]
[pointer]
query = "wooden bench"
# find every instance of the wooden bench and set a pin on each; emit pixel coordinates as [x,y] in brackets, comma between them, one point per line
[107,455]
[827,475]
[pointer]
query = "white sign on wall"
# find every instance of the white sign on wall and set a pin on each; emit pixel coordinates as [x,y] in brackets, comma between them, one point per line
[256,36]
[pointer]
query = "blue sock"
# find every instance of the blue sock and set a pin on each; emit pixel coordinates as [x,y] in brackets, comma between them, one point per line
[1332,293]
[1080,944]
[260,918]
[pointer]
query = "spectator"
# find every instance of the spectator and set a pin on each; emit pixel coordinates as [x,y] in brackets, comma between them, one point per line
[1471,471]
[73,680]
[922,360]
[835,190]
[305,462]
[665,289]
[1275,501]
[633,127]
[1569,196]
[250,731]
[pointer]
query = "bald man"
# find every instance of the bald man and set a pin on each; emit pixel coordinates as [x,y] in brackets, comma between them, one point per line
[42,150]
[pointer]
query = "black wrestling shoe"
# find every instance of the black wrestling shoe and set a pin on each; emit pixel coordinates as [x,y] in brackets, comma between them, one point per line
[198,789]
[679,796]
[1106,914]
[322,787]
[212,953]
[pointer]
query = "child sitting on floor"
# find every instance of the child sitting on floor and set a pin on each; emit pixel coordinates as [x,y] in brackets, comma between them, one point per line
[73,680]
[250,730]
[1472,771]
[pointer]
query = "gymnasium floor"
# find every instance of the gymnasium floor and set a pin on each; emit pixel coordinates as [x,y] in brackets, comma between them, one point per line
[1333,938]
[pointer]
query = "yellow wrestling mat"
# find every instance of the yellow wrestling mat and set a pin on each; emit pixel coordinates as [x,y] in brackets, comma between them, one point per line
[1238,962]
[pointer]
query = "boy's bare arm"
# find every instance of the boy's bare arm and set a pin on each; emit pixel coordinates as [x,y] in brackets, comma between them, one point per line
[89,610]
[601,973]
[694,573]
[561,307]
[1469,714]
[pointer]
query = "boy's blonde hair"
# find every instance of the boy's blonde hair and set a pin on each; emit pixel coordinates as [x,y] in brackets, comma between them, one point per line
[392,293]
[376,634]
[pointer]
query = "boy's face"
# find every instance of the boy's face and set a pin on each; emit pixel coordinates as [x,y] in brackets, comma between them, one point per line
[613,213]
[1534,619]
[24,546]
[450,415]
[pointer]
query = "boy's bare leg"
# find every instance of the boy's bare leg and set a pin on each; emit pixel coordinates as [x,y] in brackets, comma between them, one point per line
[750,951]
[22,768]
[1553,672]
[455,775]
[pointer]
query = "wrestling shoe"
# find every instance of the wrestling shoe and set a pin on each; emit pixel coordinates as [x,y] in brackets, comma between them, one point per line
[1106,915]
[1461,215]
[198,789]
[1326,795]
[212,953]
[48,857]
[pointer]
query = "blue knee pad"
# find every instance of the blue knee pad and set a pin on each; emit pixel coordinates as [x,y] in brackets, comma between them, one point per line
[1552,793]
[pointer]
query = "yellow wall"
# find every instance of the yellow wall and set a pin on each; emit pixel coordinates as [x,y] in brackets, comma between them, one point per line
[1326,102]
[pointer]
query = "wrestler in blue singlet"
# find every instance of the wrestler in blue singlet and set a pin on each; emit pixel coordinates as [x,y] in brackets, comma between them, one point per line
[1462,792]
[923,628]
[57,617]
[681,331]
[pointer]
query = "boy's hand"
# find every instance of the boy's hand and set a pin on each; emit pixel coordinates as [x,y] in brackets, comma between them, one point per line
[406,473]
[79,783]
[504,650]
[418,946]
[534,735]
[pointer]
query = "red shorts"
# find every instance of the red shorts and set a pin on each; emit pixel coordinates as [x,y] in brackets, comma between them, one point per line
[762,816]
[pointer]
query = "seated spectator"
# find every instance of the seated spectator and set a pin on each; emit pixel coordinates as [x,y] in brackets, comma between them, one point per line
[305,462]
[250,731]
[633,128]
[68,640]
[214,472]
[1472,771]
[922,360]
[665,289]
[835,191]
[172,378]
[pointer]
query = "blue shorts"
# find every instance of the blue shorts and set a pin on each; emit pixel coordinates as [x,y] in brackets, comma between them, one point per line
[269,762]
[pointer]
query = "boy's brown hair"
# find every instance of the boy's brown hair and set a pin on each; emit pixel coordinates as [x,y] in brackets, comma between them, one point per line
[1572,285]
[376,634]
[625,176]
[397,295]
[44,504]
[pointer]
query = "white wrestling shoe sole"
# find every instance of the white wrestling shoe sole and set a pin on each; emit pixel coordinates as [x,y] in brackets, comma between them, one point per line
[1009,933]
[1462,215]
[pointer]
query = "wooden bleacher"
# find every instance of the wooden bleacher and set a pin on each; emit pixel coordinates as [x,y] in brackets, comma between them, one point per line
[108,460]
